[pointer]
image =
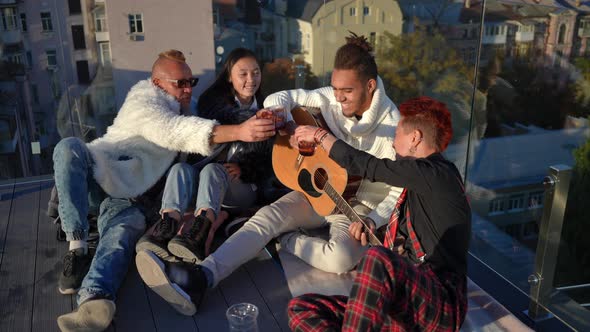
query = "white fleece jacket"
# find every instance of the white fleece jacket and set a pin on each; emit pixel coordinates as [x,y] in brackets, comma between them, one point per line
[143,141]
[373,133]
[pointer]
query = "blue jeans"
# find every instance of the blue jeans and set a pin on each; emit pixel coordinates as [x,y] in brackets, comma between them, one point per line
[120,223]
[214,189]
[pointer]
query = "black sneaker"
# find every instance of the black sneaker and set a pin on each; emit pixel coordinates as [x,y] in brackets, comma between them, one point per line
[75,268]
[180,284]
[190,246]
[156,238]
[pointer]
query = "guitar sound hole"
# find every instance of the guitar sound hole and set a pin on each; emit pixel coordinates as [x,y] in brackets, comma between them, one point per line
[305,182]
[320,177]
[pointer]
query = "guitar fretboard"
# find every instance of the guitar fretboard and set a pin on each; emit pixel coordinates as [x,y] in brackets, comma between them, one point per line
[348,211]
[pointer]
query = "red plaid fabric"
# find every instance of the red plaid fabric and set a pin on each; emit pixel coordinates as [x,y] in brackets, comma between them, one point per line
[420,254]
[392,229]
[389,294]
[393,221]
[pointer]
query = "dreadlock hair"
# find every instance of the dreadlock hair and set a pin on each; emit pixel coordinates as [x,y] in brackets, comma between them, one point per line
[356,54]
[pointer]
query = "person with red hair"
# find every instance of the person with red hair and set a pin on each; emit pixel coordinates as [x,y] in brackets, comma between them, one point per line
[417,280]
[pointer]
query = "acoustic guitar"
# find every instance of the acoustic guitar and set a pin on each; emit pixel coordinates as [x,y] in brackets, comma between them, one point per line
[318,177]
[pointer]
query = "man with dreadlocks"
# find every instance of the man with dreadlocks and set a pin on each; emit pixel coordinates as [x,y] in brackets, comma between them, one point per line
[357,110]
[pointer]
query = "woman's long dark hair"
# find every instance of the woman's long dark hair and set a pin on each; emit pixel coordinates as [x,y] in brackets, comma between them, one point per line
[222,87]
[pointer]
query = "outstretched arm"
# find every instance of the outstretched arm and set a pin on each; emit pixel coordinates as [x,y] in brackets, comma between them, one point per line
[251,130]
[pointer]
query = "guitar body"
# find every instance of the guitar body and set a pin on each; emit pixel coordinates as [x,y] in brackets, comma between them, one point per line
[302,174]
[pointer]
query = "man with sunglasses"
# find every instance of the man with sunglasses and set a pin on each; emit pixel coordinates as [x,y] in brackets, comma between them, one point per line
[115,172]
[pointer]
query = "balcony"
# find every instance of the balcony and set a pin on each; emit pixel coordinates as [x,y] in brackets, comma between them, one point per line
[584,32]
[11,36]
[523,37]
[102,36]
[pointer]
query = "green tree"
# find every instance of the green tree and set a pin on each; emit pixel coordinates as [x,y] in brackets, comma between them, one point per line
[581,87]
[573,264]
[414,63]
[423,63]
[280,75]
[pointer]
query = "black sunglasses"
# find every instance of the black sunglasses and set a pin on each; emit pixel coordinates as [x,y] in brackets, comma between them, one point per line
[184,83]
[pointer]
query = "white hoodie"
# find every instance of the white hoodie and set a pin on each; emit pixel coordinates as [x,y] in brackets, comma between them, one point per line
[373,133]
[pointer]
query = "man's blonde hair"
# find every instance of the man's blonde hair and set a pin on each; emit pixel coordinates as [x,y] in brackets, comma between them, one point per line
[174,55]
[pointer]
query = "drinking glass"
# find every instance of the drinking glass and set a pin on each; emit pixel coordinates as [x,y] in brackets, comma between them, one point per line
[242,317]
[306,149]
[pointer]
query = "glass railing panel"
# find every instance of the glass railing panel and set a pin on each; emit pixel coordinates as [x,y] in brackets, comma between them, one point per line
[531,72]
[422,48]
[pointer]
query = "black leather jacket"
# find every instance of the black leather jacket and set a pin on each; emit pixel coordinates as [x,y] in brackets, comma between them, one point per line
[254,158]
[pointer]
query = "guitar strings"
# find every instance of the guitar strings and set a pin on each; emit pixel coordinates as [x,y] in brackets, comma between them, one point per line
[318,176]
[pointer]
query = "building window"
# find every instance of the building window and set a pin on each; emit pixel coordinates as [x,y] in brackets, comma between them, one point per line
[55,87]
[29,59]
[4,131]
[35,93]
[100,21]
[366,11]
[83,73]
[46,22]
[105,54]
[135,23]
[496,206]
[78,37]
[372,39]
[352,11]
[51,58]
[536,200]
[23,22]
[75,7]
[561,34]
[17,59]
[216,16]
[9,18]
[516,203]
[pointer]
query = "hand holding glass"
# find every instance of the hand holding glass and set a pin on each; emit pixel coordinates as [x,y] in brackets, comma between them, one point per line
[275,113]
[306,149]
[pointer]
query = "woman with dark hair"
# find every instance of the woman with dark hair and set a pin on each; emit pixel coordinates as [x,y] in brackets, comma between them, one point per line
[422,284]
[231,177]
[240,169]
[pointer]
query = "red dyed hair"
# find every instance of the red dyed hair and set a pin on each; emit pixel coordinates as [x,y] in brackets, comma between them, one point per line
[431,117]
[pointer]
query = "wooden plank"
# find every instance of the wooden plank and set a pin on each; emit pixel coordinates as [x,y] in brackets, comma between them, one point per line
[239,287]
[48,303]
[6,194]
[166,318]
[270,281]
[133,309]
[17,274]
[211,314]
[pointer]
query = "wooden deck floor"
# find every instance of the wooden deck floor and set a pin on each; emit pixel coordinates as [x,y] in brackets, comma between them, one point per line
[30,262]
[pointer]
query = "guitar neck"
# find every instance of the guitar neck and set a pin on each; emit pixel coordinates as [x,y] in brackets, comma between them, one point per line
[349,212]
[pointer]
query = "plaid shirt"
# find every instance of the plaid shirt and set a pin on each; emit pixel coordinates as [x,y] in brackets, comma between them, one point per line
[389,293]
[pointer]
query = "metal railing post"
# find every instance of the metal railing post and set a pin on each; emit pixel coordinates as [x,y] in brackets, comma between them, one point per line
[556,190]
